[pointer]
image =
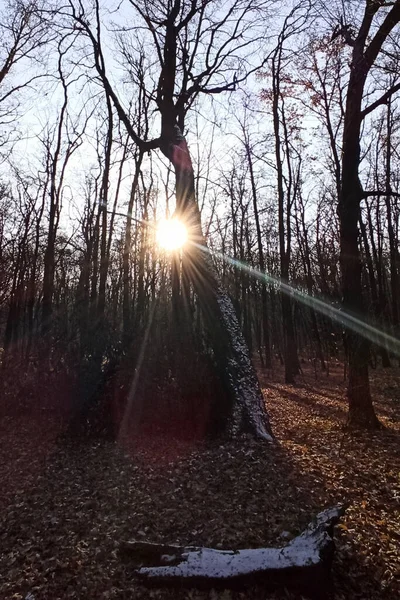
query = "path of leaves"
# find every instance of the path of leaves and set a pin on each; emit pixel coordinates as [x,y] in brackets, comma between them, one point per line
[65,507]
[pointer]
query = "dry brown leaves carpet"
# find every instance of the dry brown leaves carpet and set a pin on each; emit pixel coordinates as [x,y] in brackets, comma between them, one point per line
[65,507]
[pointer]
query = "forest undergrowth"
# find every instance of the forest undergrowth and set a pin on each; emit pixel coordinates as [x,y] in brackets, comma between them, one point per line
[65,505]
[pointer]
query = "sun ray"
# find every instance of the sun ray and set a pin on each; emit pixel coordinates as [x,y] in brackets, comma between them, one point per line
[373,334]
[130,401]
[345,319]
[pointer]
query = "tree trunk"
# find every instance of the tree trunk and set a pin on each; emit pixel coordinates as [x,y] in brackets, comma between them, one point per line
[126,262]
[48,276]
[261,261]
[290,350]
[245,408]
[103,207]
[392,237]
[82,297]
[361,410]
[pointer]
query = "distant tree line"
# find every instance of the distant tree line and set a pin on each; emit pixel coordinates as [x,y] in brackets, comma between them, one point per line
[297,182]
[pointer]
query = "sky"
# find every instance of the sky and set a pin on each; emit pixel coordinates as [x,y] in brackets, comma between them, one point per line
[216,119]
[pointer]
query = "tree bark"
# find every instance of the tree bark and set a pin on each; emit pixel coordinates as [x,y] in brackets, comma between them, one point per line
[361,410]
[245,409]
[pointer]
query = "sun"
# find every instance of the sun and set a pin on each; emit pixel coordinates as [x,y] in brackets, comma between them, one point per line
[171,234]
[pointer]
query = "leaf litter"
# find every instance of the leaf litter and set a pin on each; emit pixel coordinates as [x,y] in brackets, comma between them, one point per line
[65,506]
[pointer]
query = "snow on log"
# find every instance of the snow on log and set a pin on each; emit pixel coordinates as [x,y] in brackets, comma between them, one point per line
[303,564]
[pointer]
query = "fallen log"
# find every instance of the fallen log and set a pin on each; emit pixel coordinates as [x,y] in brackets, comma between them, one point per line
[304,564]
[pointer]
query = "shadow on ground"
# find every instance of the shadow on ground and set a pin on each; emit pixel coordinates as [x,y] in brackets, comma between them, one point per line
[67,503]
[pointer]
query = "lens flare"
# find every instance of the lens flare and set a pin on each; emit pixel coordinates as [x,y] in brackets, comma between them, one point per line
[346,320]
[171,234]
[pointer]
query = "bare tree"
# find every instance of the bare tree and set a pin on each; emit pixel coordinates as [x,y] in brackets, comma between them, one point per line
[288,165]
[60,146]
[23,34]
[249,152]
[379,20]
[200,50]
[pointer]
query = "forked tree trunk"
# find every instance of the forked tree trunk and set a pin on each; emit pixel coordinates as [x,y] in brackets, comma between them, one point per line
[245,409]
[246,404]
[364,54]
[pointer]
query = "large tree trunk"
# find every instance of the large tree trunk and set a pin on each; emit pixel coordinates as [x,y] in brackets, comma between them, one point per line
[364,55]
[361,410]
[245,410]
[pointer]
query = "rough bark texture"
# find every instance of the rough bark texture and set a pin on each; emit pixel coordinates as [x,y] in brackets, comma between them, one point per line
[246,403]
[304,564]
[245,410]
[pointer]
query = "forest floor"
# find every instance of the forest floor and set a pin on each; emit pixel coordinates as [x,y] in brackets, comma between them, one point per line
[65,506]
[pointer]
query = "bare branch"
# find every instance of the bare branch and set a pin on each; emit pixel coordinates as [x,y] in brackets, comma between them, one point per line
[380,193]
[382,100]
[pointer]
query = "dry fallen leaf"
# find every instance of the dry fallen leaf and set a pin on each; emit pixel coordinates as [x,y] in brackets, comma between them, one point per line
[64,506]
